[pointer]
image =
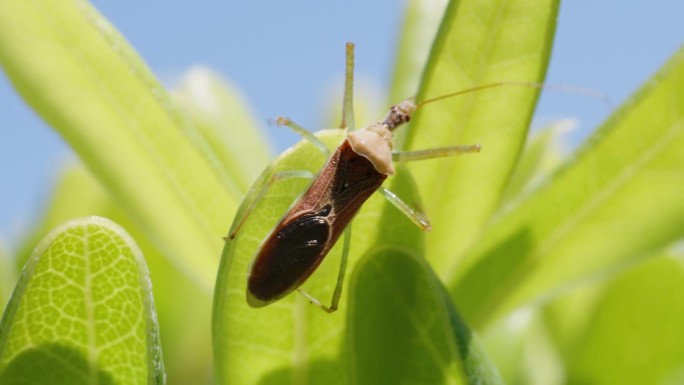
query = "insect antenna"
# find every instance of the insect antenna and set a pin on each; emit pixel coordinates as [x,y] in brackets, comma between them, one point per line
[558,87]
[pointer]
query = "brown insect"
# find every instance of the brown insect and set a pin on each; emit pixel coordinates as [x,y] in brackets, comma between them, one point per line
[300,241]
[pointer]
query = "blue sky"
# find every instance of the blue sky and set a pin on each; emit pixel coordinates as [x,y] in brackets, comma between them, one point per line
[286,56]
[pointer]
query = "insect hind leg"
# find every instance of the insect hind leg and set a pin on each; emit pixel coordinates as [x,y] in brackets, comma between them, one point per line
[417,217]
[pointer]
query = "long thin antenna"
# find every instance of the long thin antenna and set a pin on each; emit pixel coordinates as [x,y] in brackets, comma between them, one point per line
[348,102]
[559,87]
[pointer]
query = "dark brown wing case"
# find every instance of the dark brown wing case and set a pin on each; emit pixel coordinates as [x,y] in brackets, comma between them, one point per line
[310,229]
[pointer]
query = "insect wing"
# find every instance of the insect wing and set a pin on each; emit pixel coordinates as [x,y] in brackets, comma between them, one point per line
[307,233]
[288,258]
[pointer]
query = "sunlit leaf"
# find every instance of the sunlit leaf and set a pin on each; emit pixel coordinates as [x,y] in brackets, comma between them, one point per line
[402,328]
[253,345]
[81,76]
[543,153]
[479,42]
[618,199]
[237,149]
[633,329]
[523,351]
[181,304]
[421,21]
[8,276]
[82,312]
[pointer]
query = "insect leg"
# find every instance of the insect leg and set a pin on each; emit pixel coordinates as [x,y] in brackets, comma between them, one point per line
[340,276]
[434,153]
[347,107]
[258,195]
[348,102]
[416,217]
[306,134]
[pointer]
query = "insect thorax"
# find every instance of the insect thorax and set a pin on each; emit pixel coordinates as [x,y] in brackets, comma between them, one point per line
[375,144]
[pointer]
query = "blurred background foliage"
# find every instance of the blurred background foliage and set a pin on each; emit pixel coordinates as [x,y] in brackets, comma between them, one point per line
[565,263]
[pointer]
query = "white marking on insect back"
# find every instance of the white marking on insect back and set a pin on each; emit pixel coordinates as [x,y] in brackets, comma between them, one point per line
[375,144]
[375,141]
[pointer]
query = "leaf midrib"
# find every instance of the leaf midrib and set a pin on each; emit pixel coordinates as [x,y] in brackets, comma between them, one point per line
[91,332]
[571,222]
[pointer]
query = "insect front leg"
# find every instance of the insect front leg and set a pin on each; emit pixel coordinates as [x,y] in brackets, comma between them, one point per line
[337,293]
[304,133]
[348,101]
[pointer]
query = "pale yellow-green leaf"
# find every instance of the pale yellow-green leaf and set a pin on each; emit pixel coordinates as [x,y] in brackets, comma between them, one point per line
[479,42]
[403,329]
[618,199]
[76,71]
[292,341]
[8,276]
[421,21]
[523,350]
[253,345]
[82,312]
[633,333]
[181,304]
[237,149]
[543,153]
[289,341]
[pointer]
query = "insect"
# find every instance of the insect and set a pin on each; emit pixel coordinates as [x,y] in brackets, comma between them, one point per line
[356,169]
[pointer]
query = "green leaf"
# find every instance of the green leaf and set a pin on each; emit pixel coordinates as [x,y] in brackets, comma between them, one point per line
[82,311]
[291,340]
[81,76]
[523,351]
[633,334]
[421,21]
[619,199]
[253,345]
[261,345]
[181,305]
[7,275]
[543,153]
[227,125]
[403,328]
[401,324]
[479,42]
